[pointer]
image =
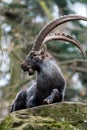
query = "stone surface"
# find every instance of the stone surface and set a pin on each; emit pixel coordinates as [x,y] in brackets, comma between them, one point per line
[59,116]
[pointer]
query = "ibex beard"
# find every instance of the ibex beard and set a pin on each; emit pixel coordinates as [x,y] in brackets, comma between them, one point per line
[50,85]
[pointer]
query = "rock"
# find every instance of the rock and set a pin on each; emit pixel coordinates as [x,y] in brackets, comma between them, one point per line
[59,116]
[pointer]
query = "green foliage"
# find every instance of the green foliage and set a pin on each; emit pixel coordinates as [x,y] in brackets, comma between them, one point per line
[7,124]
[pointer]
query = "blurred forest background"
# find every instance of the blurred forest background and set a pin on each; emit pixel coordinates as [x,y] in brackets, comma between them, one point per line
[20,22]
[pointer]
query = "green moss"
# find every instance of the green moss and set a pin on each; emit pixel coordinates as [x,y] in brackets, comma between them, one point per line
[60,116]
[7,123]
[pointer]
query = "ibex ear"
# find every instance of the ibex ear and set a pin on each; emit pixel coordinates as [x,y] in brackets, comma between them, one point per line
[43,50]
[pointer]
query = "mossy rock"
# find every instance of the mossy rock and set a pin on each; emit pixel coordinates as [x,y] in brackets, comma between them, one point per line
[59,116]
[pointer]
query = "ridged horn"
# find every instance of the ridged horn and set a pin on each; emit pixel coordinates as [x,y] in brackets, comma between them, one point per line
[63,37]
[53,24]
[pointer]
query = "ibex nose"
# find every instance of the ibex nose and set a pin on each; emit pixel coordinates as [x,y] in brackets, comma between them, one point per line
[24,66]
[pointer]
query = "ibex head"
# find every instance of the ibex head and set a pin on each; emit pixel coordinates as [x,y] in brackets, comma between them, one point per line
[36,55]
[33,61]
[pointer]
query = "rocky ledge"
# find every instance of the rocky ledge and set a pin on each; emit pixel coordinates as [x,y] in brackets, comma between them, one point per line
[59,116]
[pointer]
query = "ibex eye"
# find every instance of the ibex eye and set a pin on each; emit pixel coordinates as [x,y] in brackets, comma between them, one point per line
[33,55]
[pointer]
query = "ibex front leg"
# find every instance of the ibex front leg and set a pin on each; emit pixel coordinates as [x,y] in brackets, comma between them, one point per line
[54,94]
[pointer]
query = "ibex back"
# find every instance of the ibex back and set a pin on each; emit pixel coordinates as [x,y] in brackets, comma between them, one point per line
[50,83]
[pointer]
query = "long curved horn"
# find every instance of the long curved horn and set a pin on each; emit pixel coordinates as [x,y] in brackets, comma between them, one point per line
[63,37]
[50,26]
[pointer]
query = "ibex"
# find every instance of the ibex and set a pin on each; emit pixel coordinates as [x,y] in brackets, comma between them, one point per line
[50,83]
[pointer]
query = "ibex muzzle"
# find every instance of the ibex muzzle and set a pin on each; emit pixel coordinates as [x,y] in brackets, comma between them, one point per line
[26,67]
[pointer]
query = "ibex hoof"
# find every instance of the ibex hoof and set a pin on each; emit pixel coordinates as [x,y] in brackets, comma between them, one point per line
[46,101]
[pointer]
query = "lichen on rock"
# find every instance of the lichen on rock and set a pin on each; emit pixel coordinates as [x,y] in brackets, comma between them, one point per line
[59,116]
